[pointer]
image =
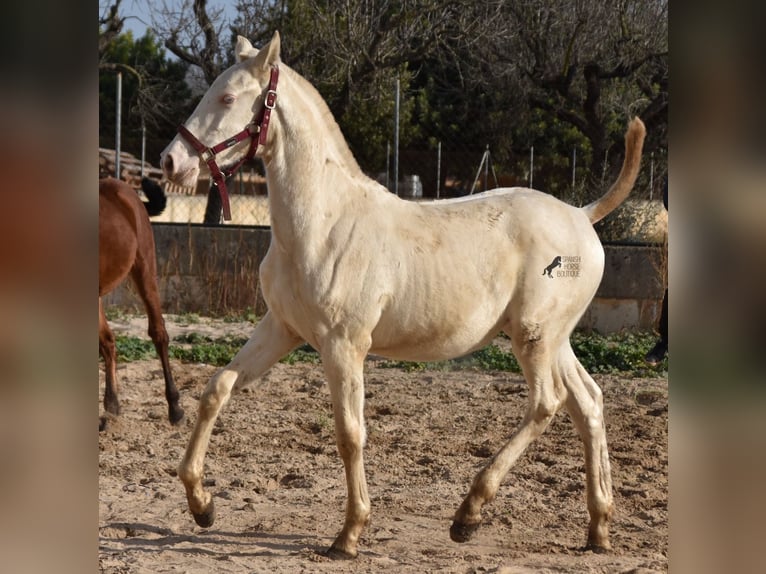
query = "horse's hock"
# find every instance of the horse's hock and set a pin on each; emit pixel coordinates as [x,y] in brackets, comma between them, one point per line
[214,271]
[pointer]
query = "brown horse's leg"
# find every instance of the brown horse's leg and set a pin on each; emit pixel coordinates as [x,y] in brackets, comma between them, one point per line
[107,349]
[144,277]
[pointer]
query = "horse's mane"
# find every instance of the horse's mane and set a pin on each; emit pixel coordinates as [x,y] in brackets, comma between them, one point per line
[315,99]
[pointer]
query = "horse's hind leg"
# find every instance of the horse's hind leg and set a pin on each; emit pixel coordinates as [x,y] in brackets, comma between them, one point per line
[586,407]
[144,277]
[108,351]
[546,396]
[269,343]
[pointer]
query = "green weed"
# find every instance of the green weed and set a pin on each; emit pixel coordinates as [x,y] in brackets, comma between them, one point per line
[188,319]
[248,315]
[303,354]
[203,349]
[134,349]
[621,353]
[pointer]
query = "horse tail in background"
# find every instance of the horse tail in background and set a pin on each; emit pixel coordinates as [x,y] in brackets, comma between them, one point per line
[634,142]
[156,196]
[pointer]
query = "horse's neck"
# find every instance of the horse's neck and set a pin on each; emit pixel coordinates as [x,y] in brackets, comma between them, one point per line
[308,174]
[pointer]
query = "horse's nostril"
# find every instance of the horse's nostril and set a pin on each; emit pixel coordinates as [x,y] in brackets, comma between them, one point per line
[167,164]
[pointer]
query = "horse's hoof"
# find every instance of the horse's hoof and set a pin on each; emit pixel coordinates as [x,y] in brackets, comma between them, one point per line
[462,532]
[597,548]
[101,424]
[337,554]
[175,416]
[206,518]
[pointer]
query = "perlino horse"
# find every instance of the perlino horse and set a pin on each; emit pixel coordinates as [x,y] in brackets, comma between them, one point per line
[352,269]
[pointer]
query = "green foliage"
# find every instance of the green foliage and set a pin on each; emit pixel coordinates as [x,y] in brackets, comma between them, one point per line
[204,349]
[490,358]
[493,358]
[247,315]
[621,353]
[193,339]
[115,314]
[133,349]
[473,74]
[189,319]
[154,92]
[303,354]
[617,353]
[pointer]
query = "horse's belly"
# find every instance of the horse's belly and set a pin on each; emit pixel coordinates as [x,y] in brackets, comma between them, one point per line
[418,339]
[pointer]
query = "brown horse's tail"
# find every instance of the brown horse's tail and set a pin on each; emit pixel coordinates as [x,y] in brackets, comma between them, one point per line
[156,196]
[634,142]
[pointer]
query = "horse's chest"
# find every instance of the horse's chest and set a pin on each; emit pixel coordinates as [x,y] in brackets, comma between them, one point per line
[296,296]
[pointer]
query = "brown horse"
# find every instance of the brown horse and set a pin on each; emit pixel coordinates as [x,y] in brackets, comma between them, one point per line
[126,246]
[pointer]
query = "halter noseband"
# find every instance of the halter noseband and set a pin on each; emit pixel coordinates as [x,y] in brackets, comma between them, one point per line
[259,126]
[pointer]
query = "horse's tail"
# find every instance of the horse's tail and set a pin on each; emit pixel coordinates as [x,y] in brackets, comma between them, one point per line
[634,142]
[156,196]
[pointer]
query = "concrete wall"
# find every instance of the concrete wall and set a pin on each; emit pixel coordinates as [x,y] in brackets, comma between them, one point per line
[205,270]
[630,294]
[214,271]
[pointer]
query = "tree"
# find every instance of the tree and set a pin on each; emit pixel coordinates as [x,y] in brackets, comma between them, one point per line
[109,26]
[588,65]
[357,50]
[555,74]
[154,92]
[192,32]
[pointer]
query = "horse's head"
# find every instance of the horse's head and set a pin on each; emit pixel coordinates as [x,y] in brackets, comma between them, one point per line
[229,106]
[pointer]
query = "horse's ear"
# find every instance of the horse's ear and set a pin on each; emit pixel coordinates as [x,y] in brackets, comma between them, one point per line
[244,49]
[269,54]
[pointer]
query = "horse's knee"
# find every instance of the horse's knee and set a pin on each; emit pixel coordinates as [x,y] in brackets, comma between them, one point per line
[350,439]
[348,447]
[216,393]
[209,403]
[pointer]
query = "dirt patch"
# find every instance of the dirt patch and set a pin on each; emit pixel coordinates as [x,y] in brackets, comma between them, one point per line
[280,494]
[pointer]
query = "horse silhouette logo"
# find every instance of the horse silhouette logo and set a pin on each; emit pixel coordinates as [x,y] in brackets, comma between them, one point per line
[555,263]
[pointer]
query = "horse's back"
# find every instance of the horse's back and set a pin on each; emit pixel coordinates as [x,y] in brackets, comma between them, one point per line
[119,231]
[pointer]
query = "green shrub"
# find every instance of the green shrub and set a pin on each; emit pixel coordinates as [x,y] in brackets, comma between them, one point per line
[621,353]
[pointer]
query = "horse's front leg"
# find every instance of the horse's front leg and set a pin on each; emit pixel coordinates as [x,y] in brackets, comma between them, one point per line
[144,276]
[344,366]
[270,341]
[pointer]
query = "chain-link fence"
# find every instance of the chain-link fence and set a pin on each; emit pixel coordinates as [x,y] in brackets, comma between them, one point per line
[445,169]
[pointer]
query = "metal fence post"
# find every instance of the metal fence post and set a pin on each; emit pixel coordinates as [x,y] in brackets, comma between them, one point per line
[118,134]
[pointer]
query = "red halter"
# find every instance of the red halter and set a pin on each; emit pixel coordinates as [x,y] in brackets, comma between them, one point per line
[259,126]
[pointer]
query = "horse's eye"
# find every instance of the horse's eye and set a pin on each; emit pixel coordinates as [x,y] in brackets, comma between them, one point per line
[228,99]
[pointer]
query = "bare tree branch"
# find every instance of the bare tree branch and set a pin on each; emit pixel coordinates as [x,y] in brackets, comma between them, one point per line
[192,32]
[110,26]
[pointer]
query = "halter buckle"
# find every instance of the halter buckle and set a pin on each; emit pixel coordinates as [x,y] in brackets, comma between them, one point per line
[270,100]
[207,154]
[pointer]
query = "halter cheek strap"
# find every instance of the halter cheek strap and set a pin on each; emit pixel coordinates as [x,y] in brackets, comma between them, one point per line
[259,126]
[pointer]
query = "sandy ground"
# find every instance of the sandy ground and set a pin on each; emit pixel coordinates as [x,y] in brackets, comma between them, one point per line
[280,494]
